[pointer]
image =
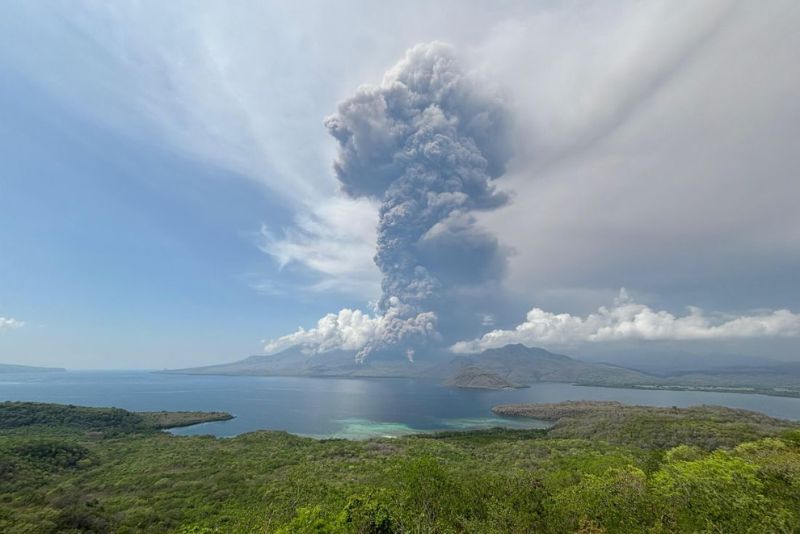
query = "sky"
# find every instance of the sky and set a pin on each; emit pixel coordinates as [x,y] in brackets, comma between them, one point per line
[194,182]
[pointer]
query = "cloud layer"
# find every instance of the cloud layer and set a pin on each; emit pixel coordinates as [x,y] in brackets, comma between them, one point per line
[629,320]
[657,151]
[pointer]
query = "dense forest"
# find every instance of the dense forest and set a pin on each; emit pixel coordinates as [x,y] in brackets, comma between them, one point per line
[602,467]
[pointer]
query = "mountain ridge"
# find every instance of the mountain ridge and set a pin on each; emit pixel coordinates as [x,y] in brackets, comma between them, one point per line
[514,365]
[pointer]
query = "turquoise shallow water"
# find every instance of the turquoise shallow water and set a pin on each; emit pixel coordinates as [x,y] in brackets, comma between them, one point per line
[332,407]
[362,428]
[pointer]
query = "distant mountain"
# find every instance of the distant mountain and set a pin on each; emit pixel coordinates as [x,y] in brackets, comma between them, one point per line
[673,361]
[509,366]
[295,362]
[525,365]
[6,368]
[512,366]
[777,375]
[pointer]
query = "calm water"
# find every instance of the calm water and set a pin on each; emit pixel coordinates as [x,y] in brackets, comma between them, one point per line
[323,407]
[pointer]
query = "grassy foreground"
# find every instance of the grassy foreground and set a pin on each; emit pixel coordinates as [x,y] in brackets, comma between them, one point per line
[69,469]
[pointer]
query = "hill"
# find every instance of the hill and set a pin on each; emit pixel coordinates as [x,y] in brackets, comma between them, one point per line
[708,427]
[582,475]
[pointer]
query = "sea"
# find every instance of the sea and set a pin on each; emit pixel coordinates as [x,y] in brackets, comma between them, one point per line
[352,408]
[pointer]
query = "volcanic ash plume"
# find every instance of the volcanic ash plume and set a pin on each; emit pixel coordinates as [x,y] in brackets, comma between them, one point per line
[426,143]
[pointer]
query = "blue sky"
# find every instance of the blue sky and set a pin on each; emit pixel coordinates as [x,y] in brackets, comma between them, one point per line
[167,196]
[115,247]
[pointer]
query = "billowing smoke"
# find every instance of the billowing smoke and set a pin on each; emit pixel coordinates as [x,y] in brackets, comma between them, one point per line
[355,330]
[426,143]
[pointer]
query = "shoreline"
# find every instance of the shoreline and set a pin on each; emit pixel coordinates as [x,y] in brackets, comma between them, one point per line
[744,390]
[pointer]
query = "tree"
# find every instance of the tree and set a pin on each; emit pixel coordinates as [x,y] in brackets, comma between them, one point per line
[718,493]
[616,501]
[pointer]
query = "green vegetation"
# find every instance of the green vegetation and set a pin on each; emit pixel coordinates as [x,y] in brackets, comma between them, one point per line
[30,416]
[649,427]
[70,469]
[178,419]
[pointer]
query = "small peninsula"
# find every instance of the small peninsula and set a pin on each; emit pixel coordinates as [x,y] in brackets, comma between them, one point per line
[55,417]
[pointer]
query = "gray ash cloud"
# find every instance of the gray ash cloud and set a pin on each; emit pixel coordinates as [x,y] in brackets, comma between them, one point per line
[427,143]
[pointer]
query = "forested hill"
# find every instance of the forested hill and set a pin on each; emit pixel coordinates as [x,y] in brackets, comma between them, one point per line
[597,470]
[650,427]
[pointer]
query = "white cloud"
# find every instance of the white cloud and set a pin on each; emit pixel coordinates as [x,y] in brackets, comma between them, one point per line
[335,241]
[357,331]
[213,83]
[244,87]
[9,323]
[627,320]
[346,330]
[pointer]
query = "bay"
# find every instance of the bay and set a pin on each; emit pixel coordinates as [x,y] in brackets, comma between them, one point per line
[338,407]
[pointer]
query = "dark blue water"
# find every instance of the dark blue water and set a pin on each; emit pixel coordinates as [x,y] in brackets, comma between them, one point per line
[322,407]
